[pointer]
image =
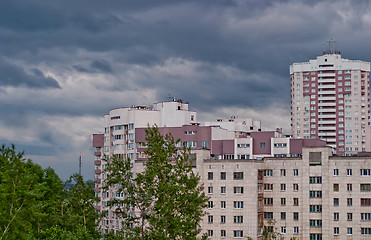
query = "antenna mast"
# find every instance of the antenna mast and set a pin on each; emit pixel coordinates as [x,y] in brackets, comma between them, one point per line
[80,165]
[331,46]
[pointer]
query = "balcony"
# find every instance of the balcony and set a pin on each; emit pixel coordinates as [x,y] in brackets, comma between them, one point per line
[326,128]
[97,208]
[330,140]
[326,75]
[327,86]
[326,98]
[97,190]
[97,171]
[327,104]
[97,162]
[327,110]
[98,180]
[97,153]
[328,80]
[327,134]
[327,116]
[327,122]
[327,92]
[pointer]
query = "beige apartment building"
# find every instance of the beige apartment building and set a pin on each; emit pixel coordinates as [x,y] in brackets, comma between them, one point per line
[315,196]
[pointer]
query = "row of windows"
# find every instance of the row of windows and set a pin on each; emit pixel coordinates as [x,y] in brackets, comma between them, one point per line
[364,187]
[269,216]
[236,204]
[223,233]
[223,176]
[236,190]
[223,219]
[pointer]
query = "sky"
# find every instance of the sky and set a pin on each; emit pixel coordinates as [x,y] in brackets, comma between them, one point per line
[64,64]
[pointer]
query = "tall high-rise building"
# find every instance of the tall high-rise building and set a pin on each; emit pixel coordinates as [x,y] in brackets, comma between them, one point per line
[330,101]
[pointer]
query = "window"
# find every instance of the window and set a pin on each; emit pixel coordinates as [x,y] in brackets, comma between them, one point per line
[262,145]
[336,216]
[365,216]
[190,132]
[238,234]
[283,201]
[365,172]
[238,204]
[315,208]
[296,172]
[296,201]
[268,172]
[365,231]
[295,186]
[366,187]
[336,201]
[336,230]
[238,175]
[243,145]
[336,172]
[210,233]
[315,180]
[223,175]
[349,231]
[283,172]
[210,190]
[365,202]
[210,204]
[222,190]
[349,216]
[191,144]
[315,223]
[268,215]
[222,204]
[223,233]
[210,219]
[210,175]
[349,187]
[315,236]
[296,230]
[268,201]
[204,144]
[283,230]
[268,186]
[315,194]
[283,187]
[296,216]
[238,219]
[336,187]
[238,190]
[131,126]
[283,215]
[349,202]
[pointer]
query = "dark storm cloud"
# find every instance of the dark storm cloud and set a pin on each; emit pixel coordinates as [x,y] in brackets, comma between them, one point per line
[96,66]
[13,75]
[214,54]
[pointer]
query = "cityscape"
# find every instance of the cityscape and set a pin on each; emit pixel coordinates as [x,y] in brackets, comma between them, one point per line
[223,119]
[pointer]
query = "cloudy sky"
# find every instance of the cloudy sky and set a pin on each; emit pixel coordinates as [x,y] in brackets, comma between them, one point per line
[64,64]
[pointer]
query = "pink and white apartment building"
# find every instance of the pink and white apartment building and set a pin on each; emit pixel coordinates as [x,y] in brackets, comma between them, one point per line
[233,139]
[330,101]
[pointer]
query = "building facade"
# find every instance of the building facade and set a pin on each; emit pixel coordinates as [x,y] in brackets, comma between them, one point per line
[252,177]
[330,101]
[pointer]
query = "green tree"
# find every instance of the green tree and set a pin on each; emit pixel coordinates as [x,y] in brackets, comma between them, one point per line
[34,203]
[20,190]
[166,200]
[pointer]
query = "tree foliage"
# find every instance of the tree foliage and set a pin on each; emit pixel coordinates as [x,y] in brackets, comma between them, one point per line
[34,203]
[165,200]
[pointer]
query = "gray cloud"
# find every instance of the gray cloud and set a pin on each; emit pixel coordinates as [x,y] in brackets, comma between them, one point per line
[13,75]
[216,54]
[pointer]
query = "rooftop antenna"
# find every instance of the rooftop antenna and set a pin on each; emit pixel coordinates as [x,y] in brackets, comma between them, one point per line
[171,98]
[80,165]
[331,46]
